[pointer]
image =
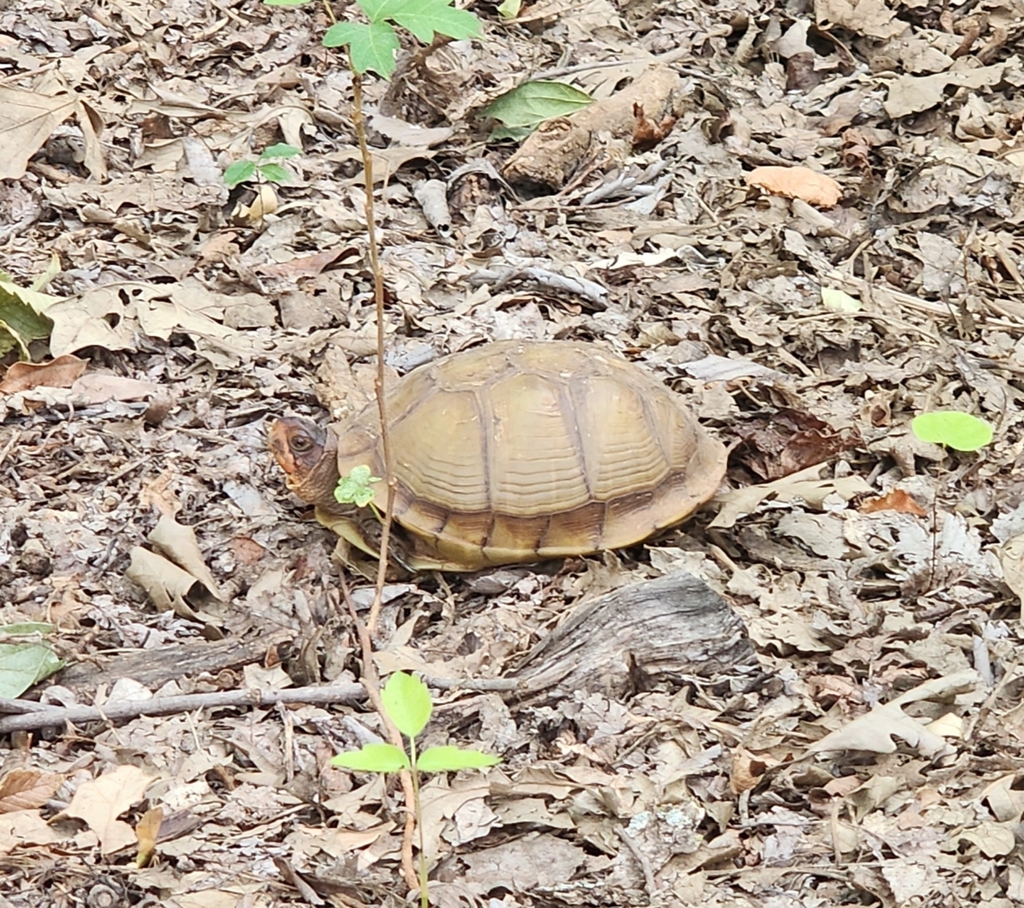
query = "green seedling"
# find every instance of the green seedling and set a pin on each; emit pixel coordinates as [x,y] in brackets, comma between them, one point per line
[265,169]
[408,705]
[356,487]
[952,429]
[372,45]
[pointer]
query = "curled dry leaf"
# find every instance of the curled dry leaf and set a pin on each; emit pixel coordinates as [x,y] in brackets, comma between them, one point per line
[896,500]
[797,183]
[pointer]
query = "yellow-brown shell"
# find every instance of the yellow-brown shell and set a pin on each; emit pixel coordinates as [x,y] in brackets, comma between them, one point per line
[519,451]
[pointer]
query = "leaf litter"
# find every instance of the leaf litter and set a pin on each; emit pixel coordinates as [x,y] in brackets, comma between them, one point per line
[811,230]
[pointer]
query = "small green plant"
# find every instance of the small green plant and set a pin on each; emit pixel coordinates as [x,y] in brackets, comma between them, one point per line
[265,169]
[959,431]
[952,429]
[355,488]
[407,704]
[373,45]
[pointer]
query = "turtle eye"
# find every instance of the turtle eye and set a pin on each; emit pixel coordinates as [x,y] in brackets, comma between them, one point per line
[301,443]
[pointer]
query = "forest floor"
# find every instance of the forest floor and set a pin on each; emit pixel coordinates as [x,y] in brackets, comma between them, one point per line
[866,751]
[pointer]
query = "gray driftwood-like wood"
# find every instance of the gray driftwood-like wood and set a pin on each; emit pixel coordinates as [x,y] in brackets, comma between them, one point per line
[656,630]
[155,667]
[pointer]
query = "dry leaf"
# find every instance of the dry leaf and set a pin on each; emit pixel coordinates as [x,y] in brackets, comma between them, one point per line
[896,500]
[26,789]
[797,183]
[101,801]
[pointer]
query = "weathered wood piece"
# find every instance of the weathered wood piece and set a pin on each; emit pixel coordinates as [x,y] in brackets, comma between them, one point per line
[606,130]
[647,632]
[155,667]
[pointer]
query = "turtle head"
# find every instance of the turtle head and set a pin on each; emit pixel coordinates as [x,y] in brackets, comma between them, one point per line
[309,457]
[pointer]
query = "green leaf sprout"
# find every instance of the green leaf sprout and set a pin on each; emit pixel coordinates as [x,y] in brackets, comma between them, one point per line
[355,488]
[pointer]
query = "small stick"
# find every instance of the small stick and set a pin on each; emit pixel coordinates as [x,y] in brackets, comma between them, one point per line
[34,715]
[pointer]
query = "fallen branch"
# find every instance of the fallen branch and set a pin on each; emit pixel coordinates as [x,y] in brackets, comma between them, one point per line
[33,715]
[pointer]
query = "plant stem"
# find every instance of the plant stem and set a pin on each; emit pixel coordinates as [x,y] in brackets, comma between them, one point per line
[422,863]
[359,121]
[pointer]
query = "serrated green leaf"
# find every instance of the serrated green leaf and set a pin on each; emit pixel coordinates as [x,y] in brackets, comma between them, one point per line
[960,431]
[25,664]
[273,173]
[423,21]
[373,758]
[371,47]
[450,759]
[407,701]
[239,172]
[534,102]
[280,150]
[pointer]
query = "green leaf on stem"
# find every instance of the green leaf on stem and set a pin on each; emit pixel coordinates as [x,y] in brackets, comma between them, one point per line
[371,47]
[373,758]
[274,173]
[449,759]
[407,701]
[239,172]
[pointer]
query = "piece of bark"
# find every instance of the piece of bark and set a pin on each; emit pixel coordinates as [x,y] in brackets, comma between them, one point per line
[656,630]
[639,115]
[155,667]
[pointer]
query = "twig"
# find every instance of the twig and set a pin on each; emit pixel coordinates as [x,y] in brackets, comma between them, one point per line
[34,715]
[642,860]
[359,121]
[549,280]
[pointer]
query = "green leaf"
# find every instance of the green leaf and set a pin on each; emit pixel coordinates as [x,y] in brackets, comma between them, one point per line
[839,301]
[407,701]
[27,627]
[355,488]
[509,9]
[534,102]
[373,758]
[239,172]
[371,47]
[21,317]
[273,173]
[450,759]
[281,150]
[424,19]
[25,664]
[954,429]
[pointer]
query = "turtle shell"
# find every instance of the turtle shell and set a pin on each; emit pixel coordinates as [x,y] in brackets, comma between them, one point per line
[521,451]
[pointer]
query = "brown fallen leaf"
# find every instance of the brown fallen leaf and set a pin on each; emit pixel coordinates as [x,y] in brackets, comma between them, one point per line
[99,802]
[61,372]
[26,789]
[797,183]
[896,500]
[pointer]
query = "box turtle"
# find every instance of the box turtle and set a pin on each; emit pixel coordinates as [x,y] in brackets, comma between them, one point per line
[516,451]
